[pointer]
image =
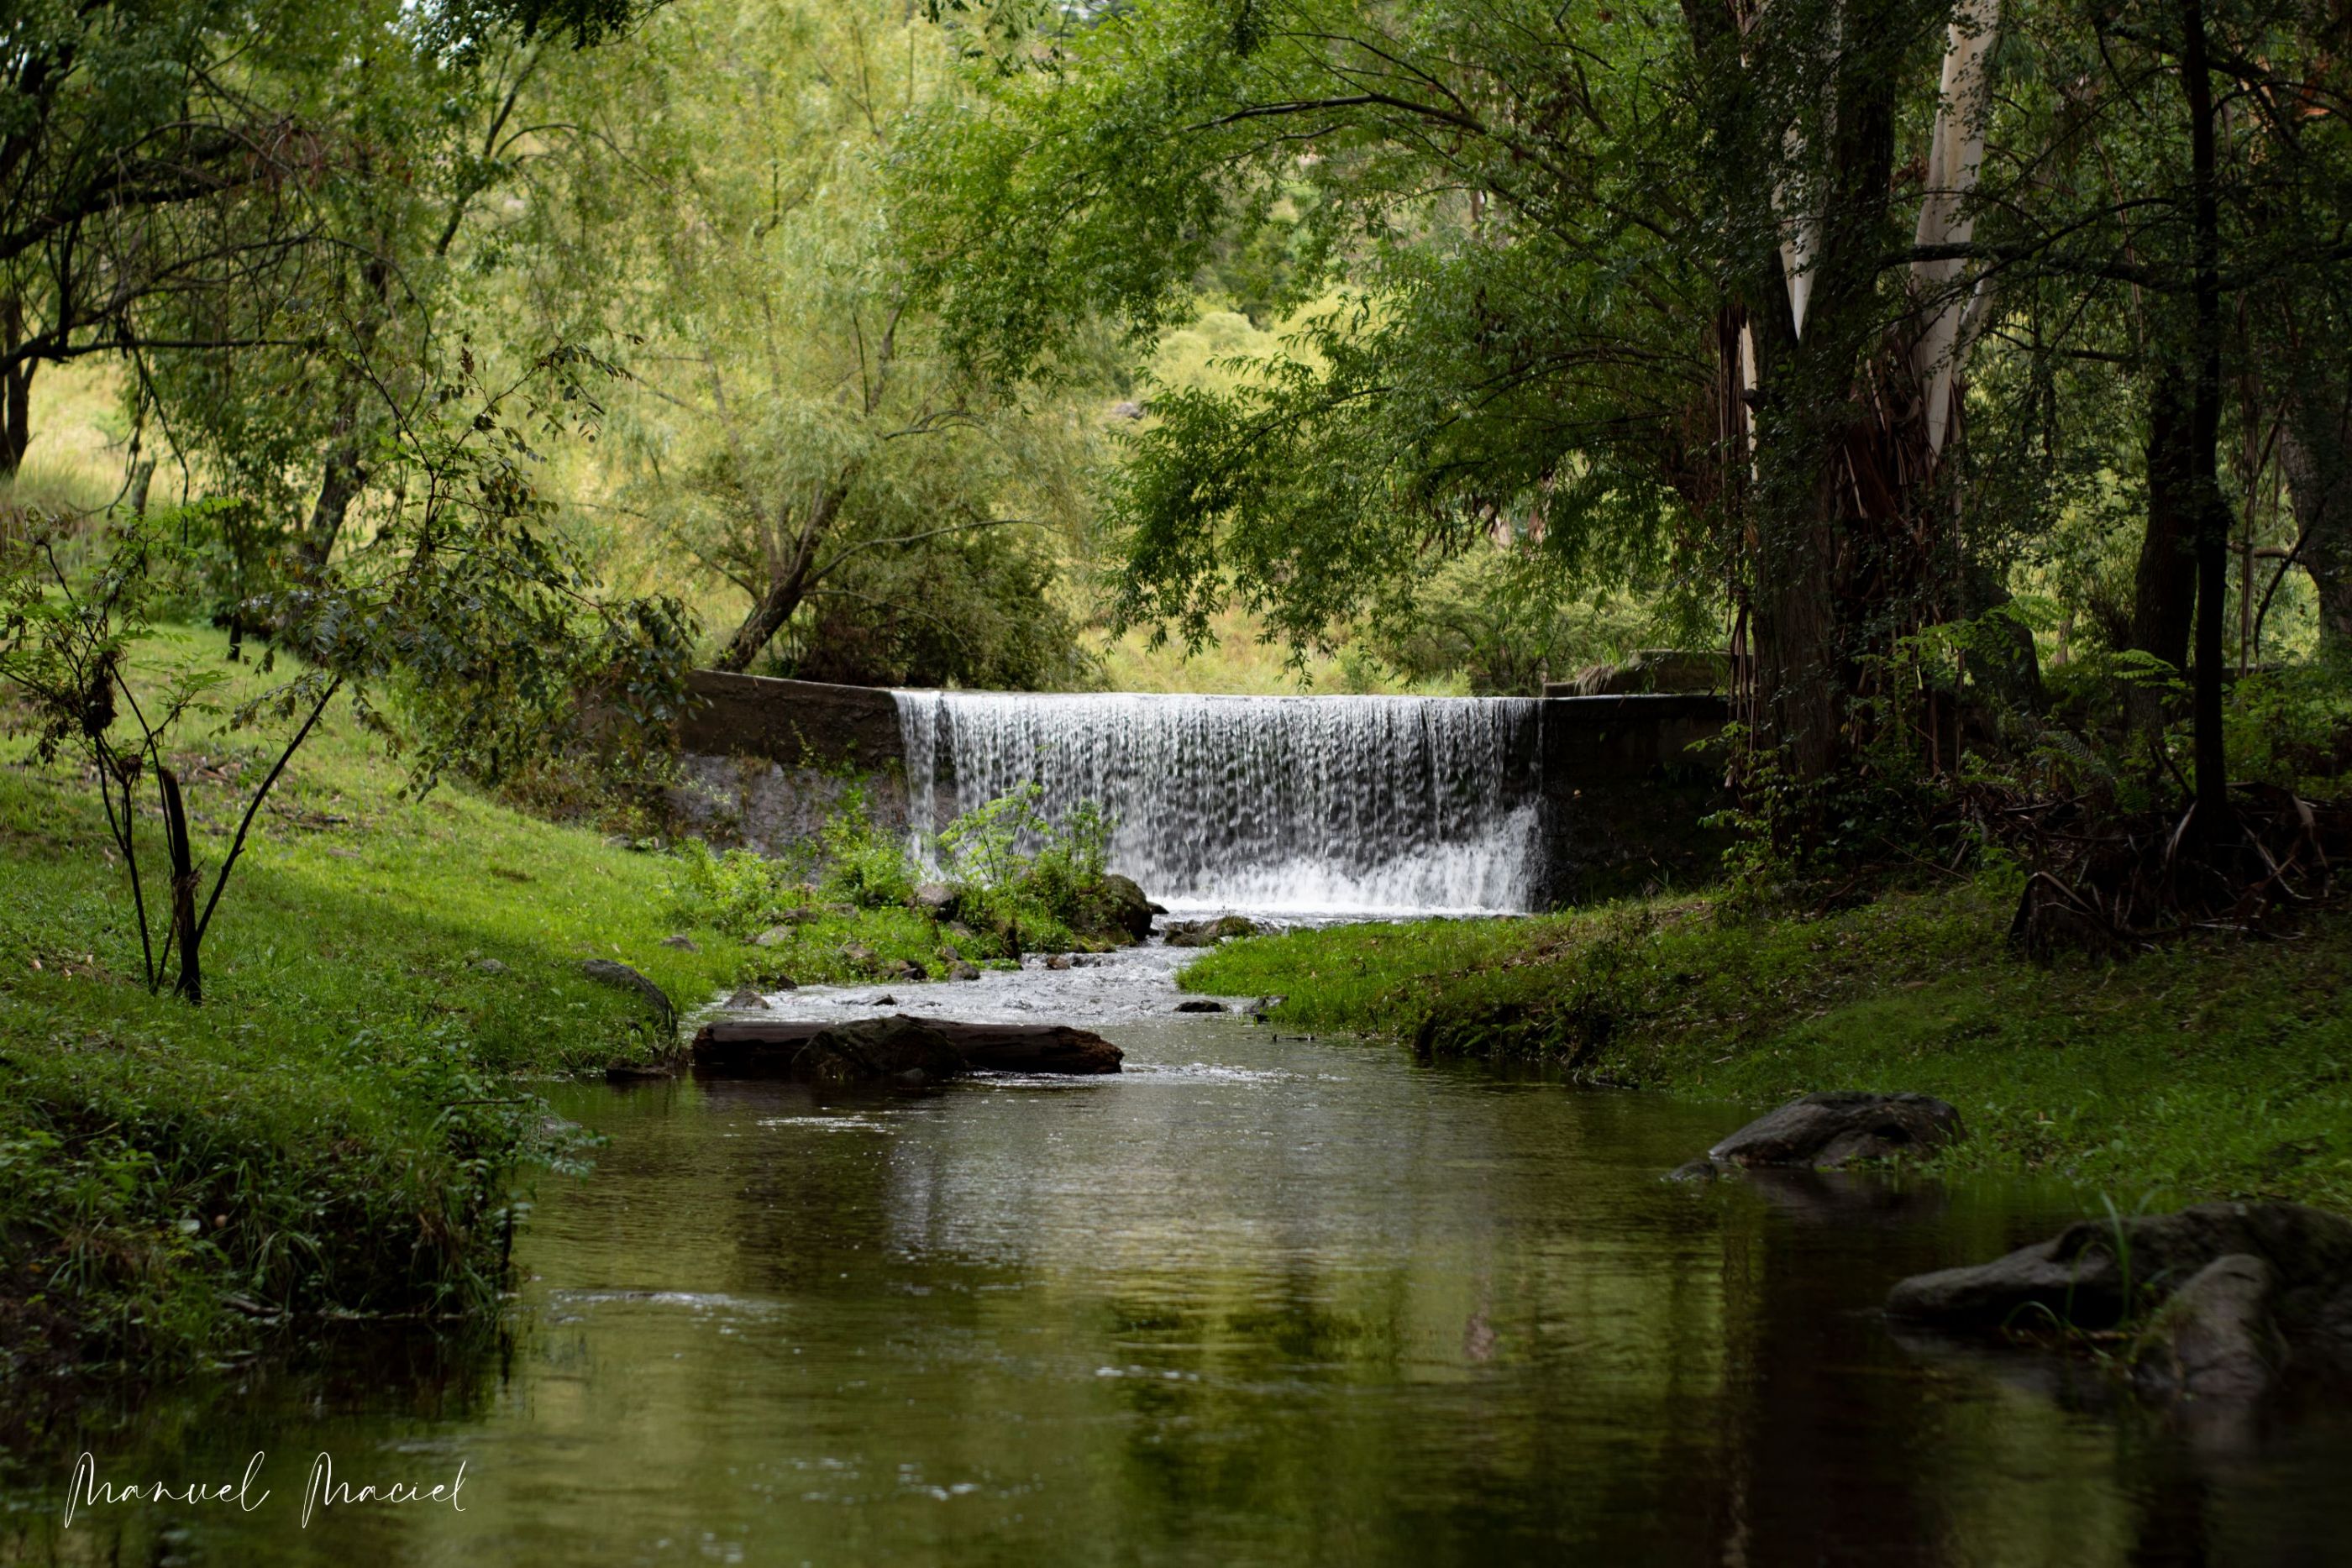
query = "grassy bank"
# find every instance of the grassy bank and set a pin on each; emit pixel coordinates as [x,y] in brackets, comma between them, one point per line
[2213,1068]
[337,1128]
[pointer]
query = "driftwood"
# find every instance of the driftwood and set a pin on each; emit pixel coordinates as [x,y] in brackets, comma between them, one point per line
[759,1048]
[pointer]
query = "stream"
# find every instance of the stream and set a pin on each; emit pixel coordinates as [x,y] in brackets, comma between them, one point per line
[1258,1299]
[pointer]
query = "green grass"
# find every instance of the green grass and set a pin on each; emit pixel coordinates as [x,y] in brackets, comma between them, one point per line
[2213,1068]
[337,1128]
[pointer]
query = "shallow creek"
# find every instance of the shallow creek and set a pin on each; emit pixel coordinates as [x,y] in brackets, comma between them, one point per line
[1255,1300]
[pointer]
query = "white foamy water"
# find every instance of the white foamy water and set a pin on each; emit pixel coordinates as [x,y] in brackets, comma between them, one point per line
[1333,805]
[1128,986]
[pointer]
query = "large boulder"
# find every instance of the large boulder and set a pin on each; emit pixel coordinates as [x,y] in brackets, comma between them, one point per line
[937,900]
[2215,1339]
[1822,1132]
[2221,1291]
[894,1049]
[607,972]
[1126,910]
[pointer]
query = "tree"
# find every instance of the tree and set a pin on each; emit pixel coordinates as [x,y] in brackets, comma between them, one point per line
[466,615]
[1635,277]
[718,216]
[158,159]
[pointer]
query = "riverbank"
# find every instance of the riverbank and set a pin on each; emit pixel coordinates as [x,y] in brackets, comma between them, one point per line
[341,1129]
[2213,1068]
[338,1130]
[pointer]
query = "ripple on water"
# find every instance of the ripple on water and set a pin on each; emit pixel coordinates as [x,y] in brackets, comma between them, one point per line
[820,1122]
[565,1306]
[1209,1073]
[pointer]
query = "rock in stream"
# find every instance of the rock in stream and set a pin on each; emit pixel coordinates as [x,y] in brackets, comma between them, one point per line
[2225,1295]
[1823,1132]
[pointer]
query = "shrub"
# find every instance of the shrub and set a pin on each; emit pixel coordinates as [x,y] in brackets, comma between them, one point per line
[864,865]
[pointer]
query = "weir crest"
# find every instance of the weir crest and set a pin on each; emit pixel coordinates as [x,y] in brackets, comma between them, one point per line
[1354,805]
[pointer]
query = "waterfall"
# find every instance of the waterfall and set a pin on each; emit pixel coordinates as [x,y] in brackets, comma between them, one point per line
[1353,805]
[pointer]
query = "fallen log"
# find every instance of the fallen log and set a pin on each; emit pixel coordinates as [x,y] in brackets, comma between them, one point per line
[761,1048]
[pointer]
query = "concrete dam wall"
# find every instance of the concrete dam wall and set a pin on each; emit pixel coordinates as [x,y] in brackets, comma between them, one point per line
[1340,805]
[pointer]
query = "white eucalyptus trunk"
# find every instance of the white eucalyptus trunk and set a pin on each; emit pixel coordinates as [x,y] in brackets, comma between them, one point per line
[1949,309]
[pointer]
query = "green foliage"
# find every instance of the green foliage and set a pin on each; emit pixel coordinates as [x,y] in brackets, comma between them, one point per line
[864,866]
[467,616]
[739,892]
[1035,881]
[1018,878]
[1507,620]
[973,609]
[793,431]
[2292,728]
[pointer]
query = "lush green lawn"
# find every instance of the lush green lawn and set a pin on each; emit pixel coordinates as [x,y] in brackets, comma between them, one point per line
[2215,1067]
[335,1128]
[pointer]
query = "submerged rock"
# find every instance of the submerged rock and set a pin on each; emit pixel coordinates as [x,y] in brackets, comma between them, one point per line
[1057,961]
[2227,1290]
[746,1000]
[1823,1132]
[1201,1005]
[1208,933]
[2092,1270]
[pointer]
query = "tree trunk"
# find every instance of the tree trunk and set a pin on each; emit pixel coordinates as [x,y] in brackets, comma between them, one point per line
[1808,627]
[16,391]
[2316,450]
[2212,510]
[788,582]
[760,627]
[185,935]
[339,484]
[2164,594]
[1799,661]
[342,476]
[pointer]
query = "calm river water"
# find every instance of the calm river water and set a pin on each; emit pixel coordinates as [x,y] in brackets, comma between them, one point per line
[1255,1301]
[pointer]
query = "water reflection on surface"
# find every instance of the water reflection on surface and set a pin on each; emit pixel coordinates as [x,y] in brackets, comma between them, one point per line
[1251,1301]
